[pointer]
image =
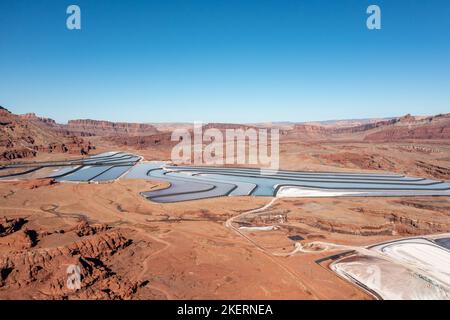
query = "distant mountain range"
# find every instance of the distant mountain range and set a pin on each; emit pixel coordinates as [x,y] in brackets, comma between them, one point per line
[23,136]
[390,129]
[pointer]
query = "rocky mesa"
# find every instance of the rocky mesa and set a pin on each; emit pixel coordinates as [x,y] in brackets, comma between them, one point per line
[108,128]
[24,136]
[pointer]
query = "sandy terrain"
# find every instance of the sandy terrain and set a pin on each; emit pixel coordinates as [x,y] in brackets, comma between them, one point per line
[223,248]
[130,247]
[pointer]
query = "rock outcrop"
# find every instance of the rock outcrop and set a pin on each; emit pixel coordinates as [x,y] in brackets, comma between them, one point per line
[142,142]
[39,273]
[9,226]
[107,128]
[397,129]
[24,136]
[410,128]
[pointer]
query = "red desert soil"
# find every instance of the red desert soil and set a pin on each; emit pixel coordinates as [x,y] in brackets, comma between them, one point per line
[131,248]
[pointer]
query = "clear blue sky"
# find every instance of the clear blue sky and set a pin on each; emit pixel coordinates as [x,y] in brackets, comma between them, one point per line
[224,60]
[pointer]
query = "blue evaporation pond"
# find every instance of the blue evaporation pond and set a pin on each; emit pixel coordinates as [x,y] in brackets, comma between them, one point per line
[140,170]
[443,242]
[107,159]
[265,187]
[85,173]
[62,172]
[125,159]
[112,174]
